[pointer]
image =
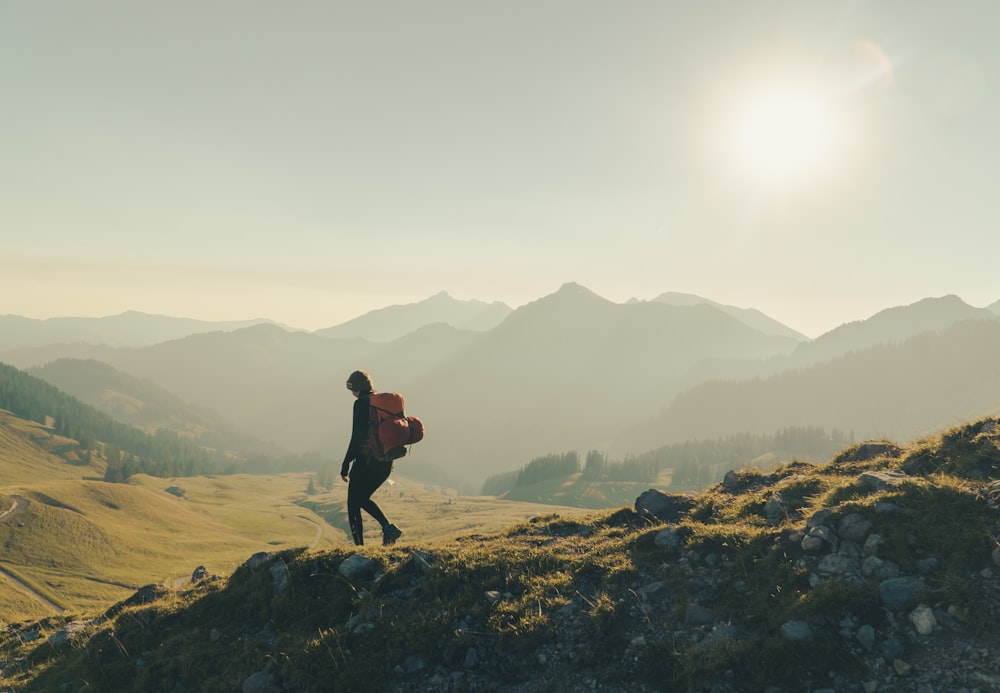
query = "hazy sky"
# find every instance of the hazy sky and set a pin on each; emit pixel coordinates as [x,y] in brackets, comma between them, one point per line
[311,161]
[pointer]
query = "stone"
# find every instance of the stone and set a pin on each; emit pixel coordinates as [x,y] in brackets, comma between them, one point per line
[883,480]
[667,507]
[900,593]
[774,511]
[668,538]
[811,543]
[923,619]
[279,573]
[996,555]
[257,560]
[873,544]
[820,517]
[892,648]
[257,682]
[854,527]
[730,481]
[357,567]
[796,630]
[200,573]
[866,636]
[650,590]
[471,659]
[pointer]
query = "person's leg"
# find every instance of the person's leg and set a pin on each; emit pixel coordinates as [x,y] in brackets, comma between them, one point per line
[377,473]
[356,496]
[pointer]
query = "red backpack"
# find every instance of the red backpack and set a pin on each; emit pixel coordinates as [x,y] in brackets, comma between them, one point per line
[389,429]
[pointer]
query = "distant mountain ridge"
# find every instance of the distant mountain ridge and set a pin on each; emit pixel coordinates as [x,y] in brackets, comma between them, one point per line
[749,316]
[129,329]
[393,322]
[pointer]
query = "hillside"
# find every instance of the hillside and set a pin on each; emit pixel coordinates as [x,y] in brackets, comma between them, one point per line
[922,384]
[874,571]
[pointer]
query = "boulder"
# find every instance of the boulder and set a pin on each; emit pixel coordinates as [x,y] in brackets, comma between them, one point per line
[358,567]
[667,507]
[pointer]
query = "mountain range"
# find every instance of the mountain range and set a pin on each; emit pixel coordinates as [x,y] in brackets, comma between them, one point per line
[570,370]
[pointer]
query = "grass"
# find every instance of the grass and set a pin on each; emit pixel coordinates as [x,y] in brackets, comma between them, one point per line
[547,598]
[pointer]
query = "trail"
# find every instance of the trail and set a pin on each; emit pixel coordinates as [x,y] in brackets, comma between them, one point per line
[16,507]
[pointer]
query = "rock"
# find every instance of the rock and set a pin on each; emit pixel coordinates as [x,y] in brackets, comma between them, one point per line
[882,480]
[730,481]
[996,555]
[663,506]
[854,527]
[67,633]
[279,573]
[471,658]
[926,566]
[875,567]
[873,544]
[258,682]
[923,619]
[836,565]
[869,450]
[413,664]
[492,596]
[902,668]
[669,538]
[200,573]
[900,593]
[257,560]
[820,517]
[215,635]
[866,636]
[796,630]
[424,561]
[892,648]
[826,534]
[357,567]
[774,511]
[697,615]
[650,590]
[175,491]
[811,543]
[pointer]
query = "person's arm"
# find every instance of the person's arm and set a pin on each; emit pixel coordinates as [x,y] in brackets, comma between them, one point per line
[359,435]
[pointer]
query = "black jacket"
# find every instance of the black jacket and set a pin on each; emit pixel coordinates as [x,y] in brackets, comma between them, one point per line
[359,432]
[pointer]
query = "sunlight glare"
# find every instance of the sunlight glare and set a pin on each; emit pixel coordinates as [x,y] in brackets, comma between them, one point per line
[782,135]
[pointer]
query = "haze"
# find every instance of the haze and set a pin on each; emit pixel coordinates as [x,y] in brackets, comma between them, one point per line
[309,162]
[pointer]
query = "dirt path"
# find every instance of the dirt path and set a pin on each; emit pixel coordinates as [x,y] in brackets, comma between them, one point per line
[17,507]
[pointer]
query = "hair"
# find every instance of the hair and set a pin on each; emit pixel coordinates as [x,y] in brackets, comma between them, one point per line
[359,381]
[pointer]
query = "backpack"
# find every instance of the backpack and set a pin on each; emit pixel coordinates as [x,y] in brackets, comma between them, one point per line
[389,429]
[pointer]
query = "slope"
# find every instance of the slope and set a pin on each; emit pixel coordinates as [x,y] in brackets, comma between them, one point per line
[874,571]
[920,385]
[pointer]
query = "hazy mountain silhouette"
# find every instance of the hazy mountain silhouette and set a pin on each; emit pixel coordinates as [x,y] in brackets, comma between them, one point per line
[750,317]
[570,370]
[898,390]
[392,322]
[144,404]
[127,329]
[567,370]
[994,307]
[887,326]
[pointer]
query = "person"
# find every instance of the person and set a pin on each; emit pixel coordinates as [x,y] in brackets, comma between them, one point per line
[367,473]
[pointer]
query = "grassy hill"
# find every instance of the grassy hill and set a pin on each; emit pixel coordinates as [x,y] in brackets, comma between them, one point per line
[874,571]
[74,543]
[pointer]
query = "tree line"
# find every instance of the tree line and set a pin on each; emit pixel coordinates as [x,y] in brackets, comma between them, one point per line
[126,449]
[693,464]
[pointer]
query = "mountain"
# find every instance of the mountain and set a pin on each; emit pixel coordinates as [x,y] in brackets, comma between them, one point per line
[566,371]
[994,307]
[887,326]
[129,329]
[751,317]
[145,405]
[899,390]
[873,571]
[392,322]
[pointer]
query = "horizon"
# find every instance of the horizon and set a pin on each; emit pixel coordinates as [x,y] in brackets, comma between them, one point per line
[817,163]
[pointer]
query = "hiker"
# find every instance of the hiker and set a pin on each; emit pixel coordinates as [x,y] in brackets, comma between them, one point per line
[368,473]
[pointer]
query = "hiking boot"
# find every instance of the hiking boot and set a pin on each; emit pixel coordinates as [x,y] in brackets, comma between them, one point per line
[390,533]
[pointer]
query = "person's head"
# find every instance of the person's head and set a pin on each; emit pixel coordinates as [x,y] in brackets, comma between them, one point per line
[359,383]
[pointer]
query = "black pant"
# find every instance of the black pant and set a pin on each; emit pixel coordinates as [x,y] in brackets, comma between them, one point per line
[367,475]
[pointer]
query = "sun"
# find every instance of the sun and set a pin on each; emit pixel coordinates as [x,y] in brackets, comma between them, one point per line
[781,136]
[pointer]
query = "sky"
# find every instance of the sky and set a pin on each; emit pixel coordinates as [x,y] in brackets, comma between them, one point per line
[309,161]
